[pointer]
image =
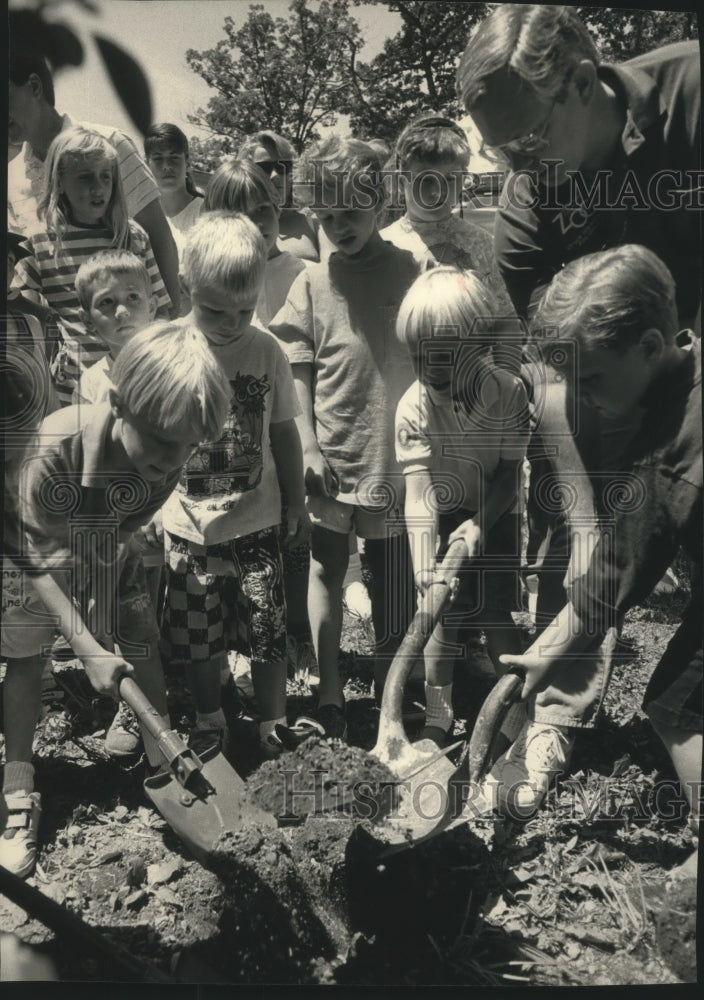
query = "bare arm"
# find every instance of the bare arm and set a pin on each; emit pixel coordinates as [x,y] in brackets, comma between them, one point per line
[103,669]
[422,525]
[319,477]
[152,219]
[288,457]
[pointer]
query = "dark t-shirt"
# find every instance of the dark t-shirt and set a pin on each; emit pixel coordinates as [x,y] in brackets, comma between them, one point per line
[656,503]
[657,165]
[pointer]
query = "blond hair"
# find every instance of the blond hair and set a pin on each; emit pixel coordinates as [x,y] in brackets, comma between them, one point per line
[167,375]
[108,262]
[358,165]
[226,250]
[78,142]
[445,301]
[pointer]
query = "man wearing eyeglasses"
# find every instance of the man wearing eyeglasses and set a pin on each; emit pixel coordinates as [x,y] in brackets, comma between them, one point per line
[600,156]
[574,132]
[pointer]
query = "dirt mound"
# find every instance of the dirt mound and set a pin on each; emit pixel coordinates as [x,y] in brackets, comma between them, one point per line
[676,929]
[323,776]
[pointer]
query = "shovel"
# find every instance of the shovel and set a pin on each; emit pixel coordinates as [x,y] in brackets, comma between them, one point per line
[202,798]
[432,791]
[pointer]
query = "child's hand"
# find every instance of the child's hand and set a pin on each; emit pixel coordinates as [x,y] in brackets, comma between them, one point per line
[153,532]
[471,535]
[105,671]
[320,480]
[298,527]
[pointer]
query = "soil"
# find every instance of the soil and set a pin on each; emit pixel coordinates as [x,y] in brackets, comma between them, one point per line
[577,895]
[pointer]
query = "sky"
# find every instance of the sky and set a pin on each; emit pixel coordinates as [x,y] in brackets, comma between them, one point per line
[158,33]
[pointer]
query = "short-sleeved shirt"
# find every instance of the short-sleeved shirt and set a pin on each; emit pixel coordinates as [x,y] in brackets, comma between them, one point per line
[94,385]
[461,450]
[452,241]
[56,281]
[660,506]
[539,230]
[230,489]
[25,179]
[279,274]
[67,486]
[340,318]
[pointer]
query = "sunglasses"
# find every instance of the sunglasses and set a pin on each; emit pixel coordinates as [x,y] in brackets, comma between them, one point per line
[527,145]
[280,166]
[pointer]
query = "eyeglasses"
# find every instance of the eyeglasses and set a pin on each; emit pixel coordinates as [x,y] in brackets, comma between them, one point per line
[526,145]
[280,166]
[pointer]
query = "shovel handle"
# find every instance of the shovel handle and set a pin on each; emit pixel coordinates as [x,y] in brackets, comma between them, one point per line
[142,708]
[505,693]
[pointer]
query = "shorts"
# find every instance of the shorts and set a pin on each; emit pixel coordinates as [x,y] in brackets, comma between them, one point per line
[335,515]
[152,555]
[29,630]
[296,561]
[224,596]
[491,582]
[673,696]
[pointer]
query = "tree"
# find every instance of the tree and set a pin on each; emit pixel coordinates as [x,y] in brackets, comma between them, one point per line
[282,74]
[622,34]
[416,69]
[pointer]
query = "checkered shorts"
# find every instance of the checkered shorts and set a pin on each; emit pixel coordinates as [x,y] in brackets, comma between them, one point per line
[224,596]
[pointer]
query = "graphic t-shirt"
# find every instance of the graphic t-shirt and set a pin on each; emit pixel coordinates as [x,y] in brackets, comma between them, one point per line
[230,488]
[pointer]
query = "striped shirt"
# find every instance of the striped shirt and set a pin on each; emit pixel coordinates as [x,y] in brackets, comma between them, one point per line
[25,179]
[40,273]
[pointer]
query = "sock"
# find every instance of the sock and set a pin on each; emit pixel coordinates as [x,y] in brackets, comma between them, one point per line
[211,720]
[438,702]
[515,720]
[18,777]
[154,755]
[268,727]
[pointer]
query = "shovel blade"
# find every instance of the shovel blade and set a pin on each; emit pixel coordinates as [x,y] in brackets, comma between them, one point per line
[200,817]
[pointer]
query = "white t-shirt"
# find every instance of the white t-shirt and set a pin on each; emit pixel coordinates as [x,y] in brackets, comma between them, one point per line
[230,489]
[279,275]
[183,221]
[94,385]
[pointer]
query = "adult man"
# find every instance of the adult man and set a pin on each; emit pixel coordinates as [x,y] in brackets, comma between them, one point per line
[34,121]
[601,156]
[604,155]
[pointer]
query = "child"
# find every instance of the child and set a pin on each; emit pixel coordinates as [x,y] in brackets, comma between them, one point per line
[461,433]
[616,309]
[432,154]
[116,301]
[115,295]
[241,186]
[221,526]
[166,153]
[93,476]
[84,211]
[299,232]
[338,329]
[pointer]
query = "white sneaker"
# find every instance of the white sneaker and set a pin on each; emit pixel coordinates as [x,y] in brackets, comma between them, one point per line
[18,843]
[519,780]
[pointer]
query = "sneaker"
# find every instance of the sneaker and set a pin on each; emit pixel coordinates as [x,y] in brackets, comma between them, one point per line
[519,780]
[301,662]
[327,721]
[270,746]
[203,739]
[18,843]
[124,738]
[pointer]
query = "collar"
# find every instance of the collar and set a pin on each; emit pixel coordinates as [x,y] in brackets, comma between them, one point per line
[674,385]
[641,97]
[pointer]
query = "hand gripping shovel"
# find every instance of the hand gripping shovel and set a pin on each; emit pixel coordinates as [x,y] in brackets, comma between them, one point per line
[432,791]
[201,798]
